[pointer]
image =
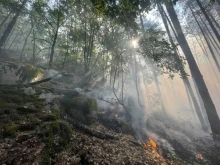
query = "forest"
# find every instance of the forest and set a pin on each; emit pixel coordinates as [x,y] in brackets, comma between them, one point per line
[110,82]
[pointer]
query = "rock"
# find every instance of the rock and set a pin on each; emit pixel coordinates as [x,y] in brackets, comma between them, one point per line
[29,91]
[80,107]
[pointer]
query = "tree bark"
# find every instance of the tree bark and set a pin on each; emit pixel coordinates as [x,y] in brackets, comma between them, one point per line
[209,106]
[11,25]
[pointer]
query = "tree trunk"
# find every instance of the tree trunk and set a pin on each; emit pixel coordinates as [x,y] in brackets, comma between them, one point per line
[25,42]
[209,20]
[207,42]
[208,61]
[189,99]
[85,48]
[213,19]
[34,47]
[11,25]
[6,18]
[215,44]
[196,105]
[209,106]
[159,91]
[154,76]
[54,42]
[12,42]
[185,80]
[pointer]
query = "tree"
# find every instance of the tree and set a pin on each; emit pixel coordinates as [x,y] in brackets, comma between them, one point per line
[11,24]
[209,106]
[209,20]
[185,78]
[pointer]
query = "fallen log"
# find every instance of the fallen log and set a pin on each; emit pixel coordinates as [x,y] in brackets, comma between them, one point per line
[90,131]
[39,82]
[28,84]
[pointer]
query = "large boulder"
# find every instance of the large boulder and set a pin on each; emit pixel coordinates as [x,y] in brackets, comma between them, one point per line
[80,107]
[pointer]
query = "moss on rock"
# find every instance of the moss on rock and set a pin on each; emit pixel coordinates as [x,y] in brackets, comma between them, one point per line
[81,108]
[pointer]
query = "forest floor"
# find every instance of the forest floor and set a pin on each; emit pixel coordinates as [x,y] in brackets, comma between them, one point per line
[34,130]
[33,134]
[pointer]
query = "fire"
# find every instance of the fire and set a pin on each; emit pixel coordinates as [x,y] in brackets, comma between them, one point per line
[116,115]
[153,143]
[145,144]
[200,156]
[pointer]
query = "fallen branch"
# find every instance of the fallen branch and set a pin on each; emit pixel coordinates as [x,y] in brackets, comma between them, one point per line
[90,131]
[106,101]
[39,82]
[26,85]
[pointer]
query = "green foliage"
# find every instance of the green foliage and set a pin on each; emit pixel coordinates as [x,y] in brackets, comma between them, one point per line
[122,12]
[50,130]
[28,126]
[10,130]
[156,49]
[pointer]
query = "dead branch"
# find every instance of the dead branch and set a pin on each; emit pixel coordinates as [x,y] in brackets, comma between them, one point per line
[106,101]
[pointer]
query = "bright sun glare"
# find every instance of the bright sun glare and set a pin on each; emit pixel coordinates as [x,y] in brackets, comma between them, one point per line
[134,43]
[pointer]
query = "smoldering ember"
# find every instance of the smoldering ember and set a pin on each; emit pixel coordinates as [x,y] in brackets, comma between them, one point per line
[109,82]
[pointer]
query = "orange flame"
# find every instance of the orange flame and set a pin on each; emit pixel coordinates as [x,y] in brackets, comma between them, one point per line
[200,156]
[153,143]
[145,144]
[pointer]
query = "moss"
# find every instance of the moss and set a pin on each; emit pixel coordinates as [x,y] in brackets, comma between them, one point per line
[45,156]
[55,127]
[65,133]
[31,117]
[85,104]
[22,110]
[93,104]
[15,117]
[48,117]
[56,113]
[29,126]
[10,130]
